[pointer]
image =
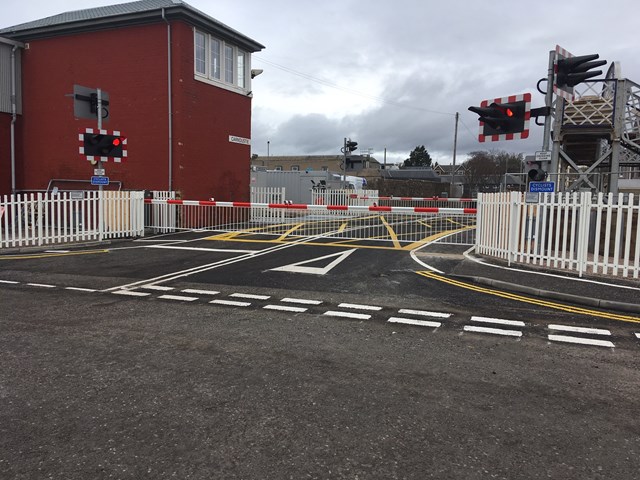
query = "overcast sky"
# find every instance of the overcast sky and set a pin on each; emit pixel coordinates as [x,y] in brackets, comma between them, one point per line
[392,74]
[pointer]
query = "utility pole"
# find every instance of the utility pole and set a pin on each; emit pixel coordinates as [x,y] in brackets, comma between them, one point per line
[455,146]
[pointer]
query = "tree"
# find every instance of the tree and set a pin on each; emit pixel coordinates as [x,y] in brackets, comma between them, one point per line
[419,157]
[485,170]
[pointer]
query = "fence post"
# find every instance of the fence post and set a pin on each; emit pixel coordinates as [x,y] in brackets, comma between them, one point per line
[583,232]
[100,215]
[514,207]
[40,214]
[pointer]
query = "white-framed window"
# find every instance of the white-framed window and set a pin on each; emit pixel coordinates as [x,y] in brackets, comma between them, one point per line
[278,168]
[216,55]
[295,168]
[219,61]
[201,53]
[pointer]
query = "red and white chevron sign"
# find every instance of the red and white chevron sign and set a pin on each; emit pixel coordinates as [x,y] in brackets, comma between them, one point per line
[523,97]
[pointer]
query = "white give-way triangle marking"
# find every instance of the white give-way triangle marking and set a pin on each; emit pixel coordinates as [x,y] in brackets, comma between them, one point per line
[299,268]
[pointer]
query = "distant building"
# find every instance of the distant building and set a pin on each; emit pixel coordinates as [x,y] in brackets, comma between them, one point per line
[179,87]
[323,163]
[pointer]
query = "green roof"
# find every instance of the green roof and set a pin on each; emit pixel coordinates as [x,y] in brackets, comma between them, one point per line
[143,11]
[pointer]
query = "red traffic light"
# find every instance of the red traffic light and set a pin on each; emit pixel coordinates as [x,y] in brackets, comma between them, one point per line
[116,142]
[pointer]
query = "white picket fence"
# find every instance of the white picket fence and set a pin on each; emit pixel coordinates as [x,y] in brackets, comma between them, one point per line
[37,219]
[570,231]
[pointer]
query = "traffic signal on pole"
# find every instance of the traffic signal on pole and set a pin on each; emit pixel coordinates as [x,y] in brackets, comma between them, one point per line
[536,171]
[570,70]
[504,118]
[351,145]
[99,145]
[102,144]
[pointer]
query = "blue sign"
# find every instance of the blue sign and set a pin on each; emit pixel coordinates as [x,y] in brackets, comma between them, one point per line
[99,180]
[542,187]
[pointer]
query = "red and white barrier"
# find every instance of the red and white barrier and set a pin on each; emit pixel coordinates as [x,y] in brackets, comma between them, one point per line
[294,206]
[412,199]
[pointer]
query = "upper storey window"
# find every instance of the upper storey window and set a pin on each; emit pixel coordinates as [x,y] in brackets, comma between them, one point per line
[220,61]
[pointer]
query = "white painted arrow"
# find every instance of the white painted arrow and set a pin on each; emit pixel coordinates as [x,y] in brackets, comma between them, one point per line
[299,268]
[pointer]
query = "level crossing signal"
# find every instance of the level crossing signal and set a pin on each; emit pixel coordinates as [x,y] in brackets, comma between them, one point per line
[536,171]
[504,118]
[571,70]
[102,144]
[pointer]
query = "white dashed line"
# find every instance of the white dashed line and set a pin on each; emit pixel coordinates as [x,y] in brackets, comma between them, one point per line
[230,303]
[359,316]
[359,307]
[131,293]
[199,292]
[494,331]
[10,282]
[638,335]
[592,331]
[498,321]
[251,296]
[285,308]
[43,285]
[57,251]
[180,298]
[582,341]
[424,313]
[158,288]
[301,301]
[78,289]
[411,321]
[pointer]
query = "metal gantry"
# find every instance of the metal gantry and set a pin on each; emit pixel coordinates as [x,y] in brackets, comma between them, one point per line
[596,137]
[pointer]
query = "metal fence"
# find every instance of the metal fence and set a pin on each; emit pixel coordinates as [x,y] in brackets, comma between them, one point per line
[398,227]
[47,218]
[392,201]
[571,231]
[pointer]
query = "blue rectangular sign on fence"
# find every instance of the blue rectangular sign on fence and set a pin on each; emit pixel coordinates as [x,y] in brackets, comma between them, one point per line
[542,187]
[95,180]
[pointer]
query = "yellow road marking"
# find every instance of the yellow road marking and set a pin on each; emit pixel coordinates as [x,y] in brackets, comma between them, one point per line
[433,237]
[392,233]
[534,301]
[291,230]
[48,255]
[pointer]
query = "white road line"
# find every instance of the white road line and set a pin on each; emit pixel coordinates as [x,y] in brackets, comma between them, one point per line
[158,288]
[131,293]
[180,298]
[355,306]
[498,321]
[424,313]
[251,296]
[593,331]
[43,285]
[57,251]
[285,308]
[10,282]
[230,303]
[301,301]
[359,316]
[494,331]
[221,263]
[199,249]
[78,289]
[199,292]
[637,335]
[582,341]
[411,321]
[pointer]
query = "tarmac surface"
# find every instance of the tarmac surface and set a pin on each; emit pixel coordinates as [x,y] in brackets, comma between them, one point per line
[460,262]
[607,292]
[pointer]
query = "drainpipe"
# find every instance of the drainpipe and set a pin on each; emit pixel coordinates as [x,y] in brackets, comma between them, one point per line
[169,102]
[14,116]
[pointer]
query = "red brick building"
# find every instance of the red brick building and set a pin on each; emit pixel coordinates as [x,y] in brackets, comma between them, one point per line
[179,88]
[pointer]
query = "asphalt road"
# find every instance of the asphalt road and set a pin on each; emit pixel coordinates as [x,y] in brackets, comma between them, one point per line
[155,381]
